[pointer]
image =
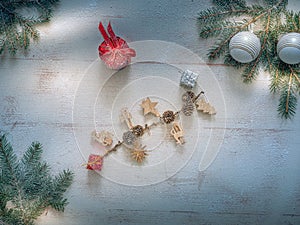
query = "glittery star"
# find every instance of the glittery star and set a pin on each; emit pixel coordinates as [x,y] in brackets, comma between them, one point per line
[149,107]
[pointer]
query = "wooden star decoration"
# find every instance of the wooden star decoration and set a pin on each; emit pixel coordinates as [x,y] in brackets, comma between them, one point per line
[149,107]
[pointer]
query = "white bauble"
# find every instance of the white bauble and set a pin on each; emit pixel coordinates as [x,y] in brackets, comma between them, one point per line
[288,48]
[244,47]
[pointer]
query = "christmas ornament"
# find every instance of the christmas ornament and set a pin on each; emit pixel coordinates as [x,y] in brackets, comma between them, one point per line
[203,106]
[149,107]
[139,153]
[129,138]
[177,133]
[114,51]
[288,48]
[188,79]
[95,162]
[244,47]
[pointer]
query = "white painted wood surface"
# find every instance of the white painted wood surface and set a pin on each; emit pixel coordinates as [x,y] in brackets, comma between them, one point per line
[255,177]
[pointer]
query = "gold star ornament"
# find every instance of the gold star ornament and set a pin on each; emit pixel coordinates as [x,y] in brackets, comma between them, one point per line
[149,107]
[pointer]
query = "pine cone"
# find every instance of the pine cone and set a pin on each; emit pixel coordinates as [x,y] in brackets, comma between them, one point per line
[188,108]
[168,116]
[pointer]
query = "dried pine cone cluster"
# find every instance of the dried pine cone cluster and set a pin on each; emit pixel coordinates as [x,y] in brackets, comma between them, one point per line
[168,116]
[188,108]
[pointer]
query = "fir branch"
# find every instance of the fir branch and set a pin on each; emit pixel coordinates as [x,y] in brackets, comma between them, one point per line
[292,22]
[288,100]
[236,3]
[219,48]
[251,71]
[33,154]
[28,185]
[18,30]
[218,28]
[219,13]
[275,81]
[225,10]
[9,163]
[60,185]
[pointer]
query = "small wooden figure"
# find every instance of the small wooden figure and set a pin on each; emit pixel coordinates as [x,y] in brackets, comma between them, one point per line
[177,133]
[126,117]
[103,137]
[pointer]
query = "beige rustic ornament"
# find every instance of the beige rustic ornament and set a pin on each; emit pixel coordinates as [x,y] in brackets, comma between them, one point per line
[201,104]
[205,107]
[149,107]
[177,133]
[103,137]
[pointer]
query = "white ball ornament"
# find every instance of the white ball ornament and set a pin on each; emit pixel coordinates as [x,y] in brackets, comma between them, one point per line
[288,48]
[244,47]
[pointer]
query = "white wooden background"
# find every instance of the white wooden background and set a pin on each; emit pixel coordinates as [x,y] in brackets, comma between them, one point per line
[254,179]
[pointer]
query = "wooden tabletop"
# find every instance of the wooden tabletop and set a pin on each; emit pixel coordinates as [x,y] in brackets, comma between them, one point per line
[54,95]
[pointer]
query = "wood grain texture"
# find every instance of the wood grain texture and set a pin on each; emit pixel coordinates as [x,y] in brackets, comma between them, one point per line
[255,177]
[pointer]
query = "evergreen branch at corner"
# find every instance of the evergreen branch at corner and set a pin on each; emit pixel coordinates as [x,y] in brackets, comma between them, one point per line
[27,188]
[17,28]
[220,24]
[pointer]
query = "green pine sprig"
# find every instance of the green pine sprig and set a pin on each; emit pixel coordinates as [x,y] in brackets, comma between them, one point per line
[27,188]
[272,19]
[18,20]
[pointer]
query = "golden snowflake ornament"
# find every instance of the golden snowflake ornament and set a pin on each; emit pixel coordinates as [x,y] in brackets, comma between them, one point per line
[139,153]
